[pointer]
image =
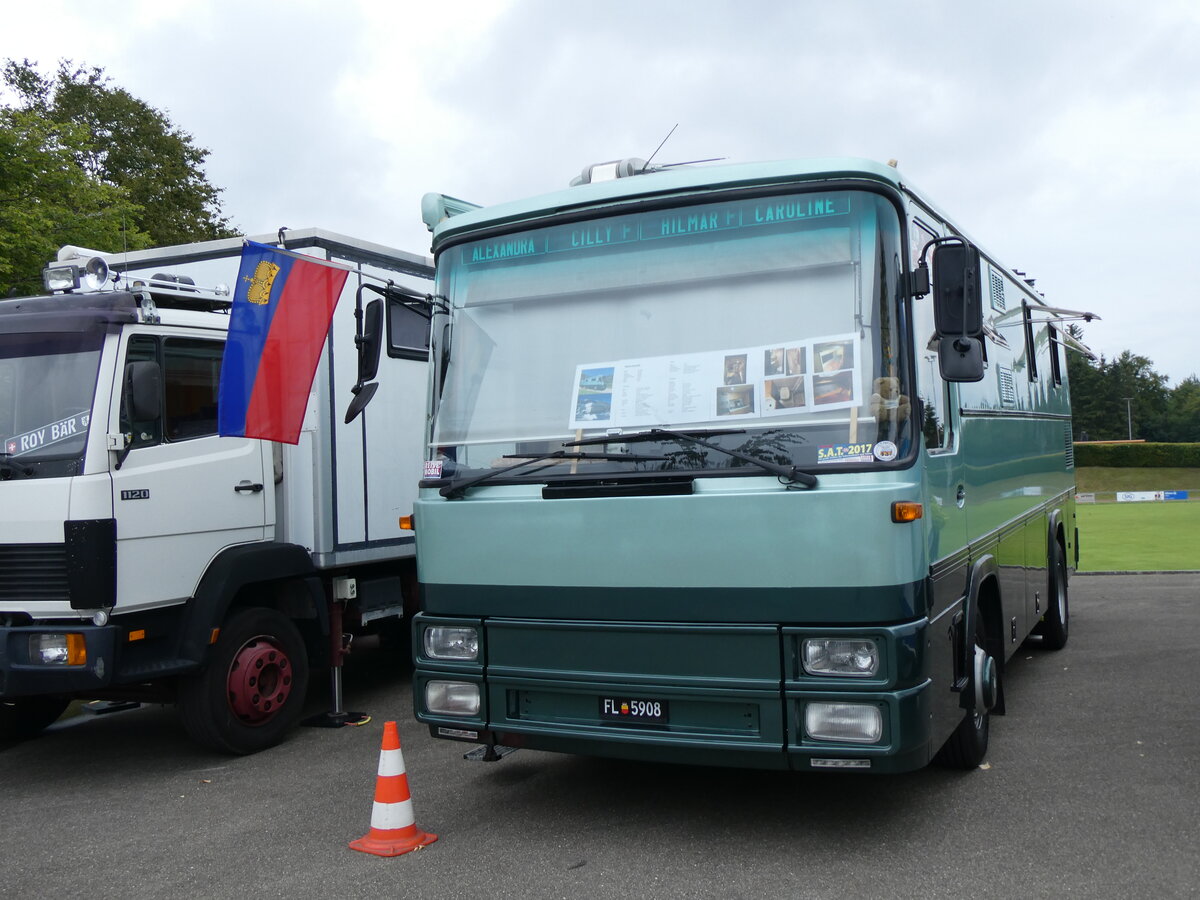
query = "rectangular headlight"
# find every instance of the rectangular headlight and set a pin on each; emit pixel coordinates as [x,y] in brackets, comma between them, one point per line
[853,658]
[860,723]
[452,642]
[58,649]
[60,278]
[452,698]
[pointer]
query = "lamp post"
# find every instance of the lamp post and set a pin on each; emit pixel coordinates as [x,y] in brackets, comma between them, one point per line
[1129,415]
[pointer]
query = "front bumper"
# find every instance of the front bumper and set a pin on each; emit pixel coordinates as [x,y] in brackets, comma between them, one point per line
[736,694]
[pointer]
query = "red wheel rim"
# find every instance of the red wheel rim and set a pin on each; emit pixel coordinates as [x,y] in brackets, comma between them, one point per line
[260,680]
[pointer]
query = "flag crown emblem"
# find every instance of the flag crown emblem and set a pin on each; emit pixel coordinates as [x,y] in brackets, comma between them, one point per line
[260,282]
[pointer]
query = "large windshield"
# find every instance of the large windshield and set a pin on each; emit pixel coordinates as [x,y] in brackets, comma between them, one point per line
[775,317]
[46,385]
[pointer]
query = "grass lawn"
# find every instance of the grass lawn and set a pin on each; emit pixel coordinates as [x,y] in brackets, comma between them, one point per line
[1133,537]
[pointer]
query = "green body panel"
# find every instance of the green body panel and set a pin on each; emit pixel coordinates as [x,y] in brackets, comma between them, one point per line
[732,533]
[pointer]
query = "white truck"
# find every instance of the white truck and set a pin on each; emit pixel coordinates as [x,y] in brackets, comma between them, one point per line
[145,558]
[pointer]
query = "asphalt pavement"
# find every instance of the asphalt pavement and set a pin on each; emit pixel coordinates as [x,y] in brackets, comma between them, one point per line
[1090,789]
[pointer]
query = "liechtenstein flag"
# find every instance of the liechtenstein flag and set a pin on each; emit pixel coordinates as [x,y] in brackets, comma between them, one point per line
[282,307]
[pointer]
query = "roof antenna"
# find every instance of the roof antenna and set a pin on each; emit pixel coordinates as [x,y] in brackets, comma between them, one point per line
[646,164]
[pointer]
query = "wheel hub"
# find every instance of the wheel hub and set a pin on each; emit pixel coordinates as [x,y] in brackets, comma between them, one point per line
[260,680]
[985,681]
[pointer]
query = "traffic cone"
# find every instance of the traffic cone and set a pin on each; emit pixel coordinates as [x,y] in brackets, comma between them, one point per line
[393,826]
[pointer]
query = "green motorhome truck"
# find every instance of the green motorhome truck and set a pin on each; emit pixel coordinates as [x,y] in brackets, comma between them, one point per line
[757,465]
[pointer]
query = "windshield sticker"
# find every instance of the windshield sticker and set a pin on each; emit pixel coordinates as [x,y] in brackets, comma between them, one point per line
[886,451]
[817,375]
[48,434]
[433,468]
[839,453]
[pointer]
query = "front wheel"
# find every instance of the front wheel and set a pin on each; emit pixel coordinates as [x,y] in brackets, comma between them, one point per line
[26,717]
[251,692]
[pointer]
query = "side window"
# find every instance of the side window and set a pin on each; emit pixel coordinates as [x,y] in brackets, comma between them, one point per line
[191,378]
[191,374]
[407,332]
[1055,355]
[933,391]
[1030,342]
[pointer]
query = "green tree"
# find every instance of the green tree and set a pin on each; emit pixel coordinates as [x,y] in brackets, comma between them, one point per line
[1182,421]
[126,153]
[1112,398]
[47,200]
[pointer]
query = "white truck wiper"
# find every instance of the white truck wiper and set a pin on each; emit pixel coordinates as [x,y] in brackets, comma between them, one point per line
[455,489]
[789,475]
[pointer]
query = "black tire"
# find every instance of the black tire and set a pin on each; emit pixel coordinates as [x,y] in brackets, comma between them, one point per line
[967,747]
[26,717]
[251,691]
[1054,625]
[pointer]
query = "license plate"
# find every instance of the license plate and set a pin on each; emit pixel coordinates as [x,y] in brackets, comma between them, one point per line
[633,712]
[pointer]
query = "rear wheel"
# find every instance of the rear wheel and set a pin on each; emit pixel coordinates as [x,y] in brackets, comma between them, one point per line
[252,691]
[967,747]
[25,717]
[1054,624]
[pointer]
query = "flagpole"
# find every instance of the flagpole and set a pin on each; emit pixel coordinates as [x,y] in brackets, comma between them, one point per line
[416,295]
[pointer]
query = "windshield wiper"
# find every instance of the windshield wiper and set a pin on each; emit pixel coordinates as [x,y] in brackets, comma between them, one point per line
[788,474]
[455,489]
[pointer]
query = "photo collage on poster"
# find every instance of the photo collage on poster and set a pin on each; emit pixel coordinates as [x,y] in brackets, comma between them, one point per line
[814,375]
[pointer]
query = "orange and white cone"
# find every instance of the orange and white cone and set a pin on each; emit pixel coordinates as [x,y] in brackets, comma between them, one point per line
[393,825]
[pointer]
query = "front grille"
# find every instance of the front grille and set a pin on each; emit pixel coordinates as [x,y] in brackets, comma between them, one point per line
[33,573]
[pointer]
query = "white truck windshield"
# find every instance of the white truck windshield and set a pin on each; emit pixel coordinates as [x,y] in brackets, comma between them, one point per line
[47,381]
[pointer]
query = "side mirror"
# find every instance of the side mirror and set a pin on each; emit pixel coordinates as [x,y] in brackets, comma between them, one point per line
[957,308]
[961,358]
[370,344]
[958,311]
[143,391]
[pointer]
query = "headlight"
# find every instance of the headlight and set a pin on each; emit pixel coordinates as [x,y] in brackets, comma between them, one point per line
[58,649]
[860,723]
[451,642]
[856,658]
[452,698]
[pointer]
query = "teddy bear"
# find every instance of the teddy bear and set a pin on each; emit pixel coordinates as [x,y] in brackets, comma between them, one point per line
[887,404]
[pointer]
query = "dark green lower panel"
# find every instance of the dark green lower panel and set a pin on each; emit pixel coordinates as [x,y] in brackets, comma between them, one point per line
[808,605]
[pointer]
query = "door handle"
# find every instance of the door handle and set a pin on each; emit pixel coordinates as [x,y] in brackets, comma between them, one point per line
[247,486]
[962,496]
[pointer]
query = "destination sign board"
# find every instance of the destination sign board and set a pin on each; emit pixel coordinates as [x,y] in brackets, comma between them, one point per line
[713,218]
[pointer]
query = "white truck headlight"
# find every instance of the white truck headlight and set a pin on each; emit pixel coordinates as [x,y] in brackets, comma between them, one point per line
[58,649]
[860,723]
[452,698]
[452,642]
[853,658]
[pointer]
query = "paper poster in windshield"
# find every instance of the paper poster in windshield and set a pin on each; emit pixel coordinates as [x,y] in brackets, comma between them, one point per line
[813,375]
[593,395]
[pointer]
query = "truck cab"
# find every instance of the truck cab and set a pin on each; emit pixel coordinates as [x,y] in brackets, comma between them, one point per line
[142,555]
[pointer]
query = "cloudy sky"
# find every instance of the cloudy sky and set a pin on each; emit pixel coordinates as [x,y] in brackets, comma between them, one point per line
[1064,136]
